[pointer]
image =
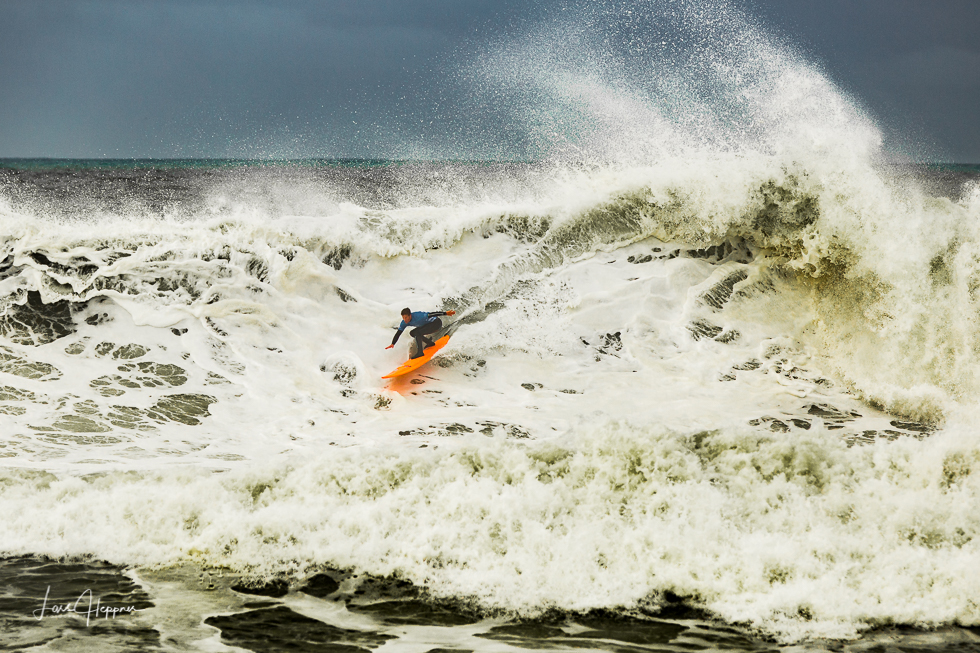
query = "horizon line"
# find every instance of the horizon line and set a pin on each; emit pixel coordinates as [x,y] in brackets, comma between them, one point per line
[335,160]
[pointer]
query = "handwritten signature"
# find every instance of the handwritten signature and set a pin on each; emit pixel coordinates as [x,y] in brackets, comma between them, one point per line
[94,608]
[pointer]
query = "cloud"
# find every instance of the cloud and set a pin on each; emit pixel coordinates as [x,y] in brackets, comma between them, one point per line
[936,67]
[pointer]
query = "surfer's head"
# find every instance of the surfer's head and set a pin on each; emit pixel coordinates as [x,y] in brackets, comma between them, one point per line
[407,314]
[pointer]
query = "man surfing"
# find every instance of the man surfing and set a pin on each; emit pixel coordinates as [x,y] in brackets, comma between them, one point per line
[424,323]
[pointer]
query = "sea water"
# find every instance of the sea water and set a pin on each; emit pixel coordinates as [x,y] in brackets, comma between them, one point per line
[712,382]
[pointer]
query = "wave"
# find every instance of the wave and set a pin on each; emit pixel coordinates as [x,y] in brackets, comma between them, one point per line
[794,534]
[883,273]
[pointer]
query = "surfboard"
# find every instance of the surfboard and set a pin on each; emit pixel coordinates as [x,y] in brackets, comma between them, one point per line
[415,363]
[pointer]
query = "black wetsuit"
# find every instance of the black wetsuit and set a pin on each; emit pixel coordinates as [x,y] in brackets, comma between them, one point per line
[424,323]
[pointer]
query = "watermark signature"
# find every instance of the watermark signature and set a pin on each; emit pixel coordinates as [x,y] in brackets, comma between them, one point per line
[85,604]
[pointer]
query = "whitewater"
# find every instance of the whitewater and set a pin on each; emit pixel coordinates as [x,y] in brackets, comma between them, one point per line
[714,351]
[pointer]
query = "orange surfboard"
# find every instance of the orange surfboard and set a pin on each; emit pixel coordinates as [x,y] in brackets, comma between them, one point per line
[415,363]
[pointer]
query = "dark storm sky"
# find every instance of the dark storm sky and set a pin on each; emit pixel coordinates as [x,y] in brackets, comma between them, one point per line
[338,78]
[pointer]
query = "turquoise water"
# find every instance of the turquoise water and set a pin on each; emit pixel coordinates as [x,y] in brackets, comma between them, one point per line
[211,164]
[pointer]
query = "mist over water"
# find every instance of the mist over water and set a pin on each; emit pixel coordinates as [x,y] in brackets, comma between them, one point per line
[710,348]
[640,82]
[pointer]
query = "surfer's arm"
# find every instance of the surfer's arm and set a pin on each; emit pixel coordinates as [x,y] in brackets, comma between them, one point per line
[398,334]
[438,313]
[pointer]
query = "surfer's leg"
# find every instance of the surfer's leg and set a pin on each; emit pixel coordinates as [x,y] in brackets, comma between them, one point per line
[431,327]
[419,334]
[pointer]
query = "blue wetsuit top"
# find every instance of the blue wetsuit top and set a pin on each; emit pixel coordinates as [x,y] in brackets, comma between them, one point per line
[418,319]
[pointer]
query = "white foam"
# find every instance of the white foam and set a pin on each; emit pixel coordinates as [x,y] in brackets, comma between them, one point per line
[795,534]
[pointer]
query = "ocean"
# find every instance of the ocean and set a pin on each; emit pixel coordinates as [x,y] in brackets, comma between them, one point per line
[713,381]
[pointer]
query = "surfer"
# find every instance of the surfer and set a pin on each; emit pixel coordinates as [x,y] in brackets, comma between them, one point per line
[424,323]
